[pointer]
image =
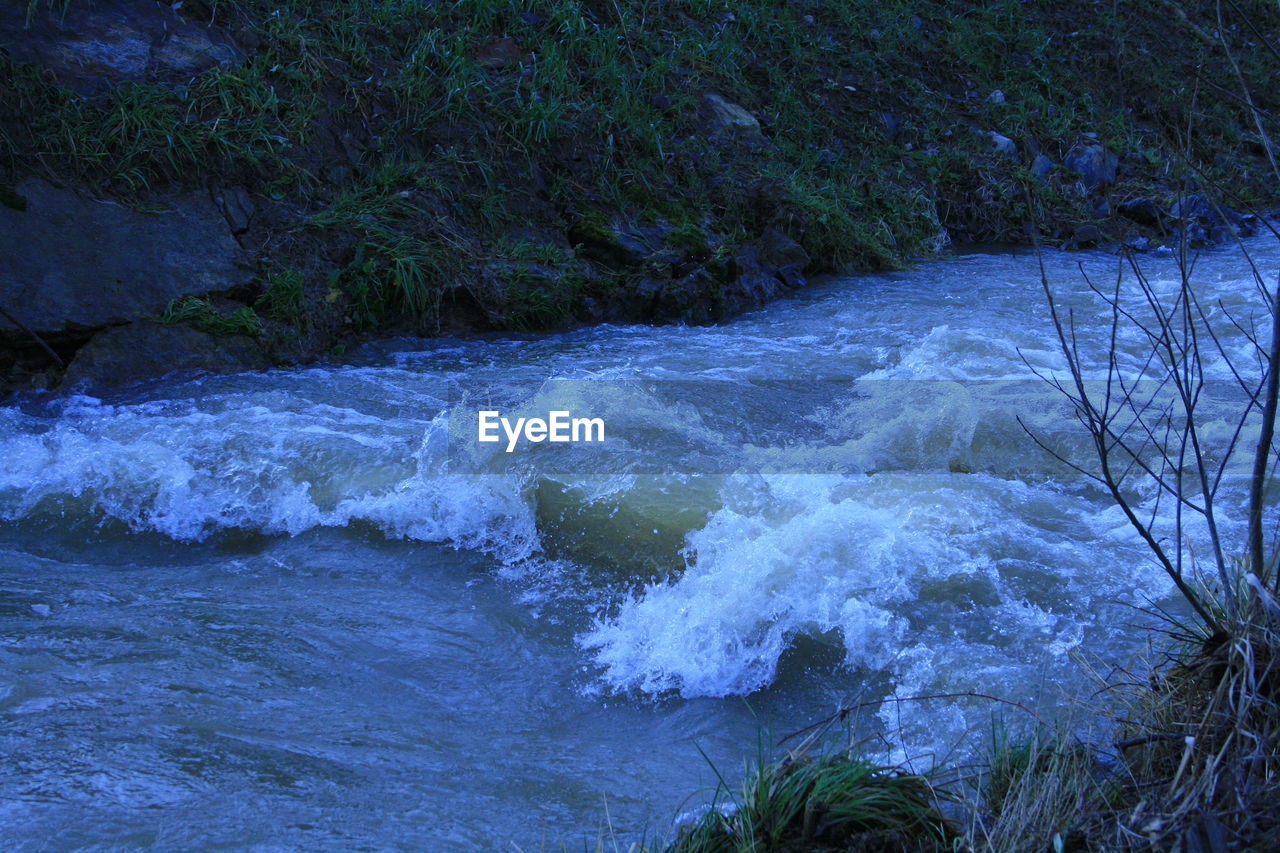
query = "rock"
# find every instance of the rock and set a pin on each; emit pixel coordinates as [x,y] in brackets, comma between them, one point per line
[1086,235]
[1201,221]
[1139,244]
[779,250]
[1095,165]
[237,208]
[1099,208]
[68,262]
[1192,234]
[996,97]
[88,46]
[1041,167]
[724,118]
[1143,211]
[1198,207]
[139,351]
[1224,234]
[1003,144]
[615,242]
[694,299]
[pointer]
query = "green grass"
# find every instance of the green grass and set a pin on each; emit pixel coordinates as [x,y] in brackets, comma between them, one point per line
[201,314]
[834,802]
[383,126]
[284,297]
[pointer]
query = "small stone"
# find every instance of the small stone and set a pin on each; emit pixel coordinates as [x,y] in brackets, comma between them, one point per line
[996,97]
[729,119]
[1041,167]
[1003,144]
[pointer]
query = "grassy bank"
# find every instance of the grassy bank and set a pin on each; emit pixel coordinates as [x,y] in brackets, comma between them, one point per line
[494,165]
[1193,765]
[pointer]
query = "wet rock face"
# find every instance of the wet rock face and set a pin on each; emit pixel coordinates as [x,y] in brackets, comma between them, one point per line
[68,262]
[89,46]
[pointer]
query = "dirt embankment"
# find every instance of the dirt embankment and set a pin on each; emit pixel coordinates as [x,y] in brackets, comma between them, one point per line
[232,184]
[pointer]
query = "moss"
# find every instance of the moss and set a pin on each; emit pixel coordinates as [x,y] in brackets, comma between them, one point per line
[593,229]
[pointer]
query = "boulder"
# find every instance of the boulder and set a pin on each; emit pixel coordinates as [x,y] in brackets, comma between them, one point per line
[1198,208]
[1143,211]
[724,118]
[125,354]
[88,46]
[68,262]
[1095,165]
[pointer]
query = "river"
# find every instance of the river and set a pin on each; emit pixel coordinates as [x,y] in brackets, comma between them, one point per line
[303,609]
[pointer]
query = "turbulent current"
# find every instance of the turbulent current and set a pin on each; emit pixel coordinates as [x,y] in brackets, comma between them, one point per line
[306,609]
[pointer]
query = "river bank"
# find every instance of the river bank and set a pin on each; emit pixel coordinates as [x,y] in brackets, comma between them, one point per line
[271,183]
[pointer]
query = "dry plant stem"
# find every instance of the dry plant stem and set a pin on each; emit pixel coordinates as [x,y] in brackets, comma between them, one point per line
[846,710]
[1262,456]
[1104,439]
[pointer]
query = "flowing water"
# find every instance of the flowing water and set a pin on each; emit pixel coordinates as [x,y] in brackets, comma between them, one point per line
[304,609]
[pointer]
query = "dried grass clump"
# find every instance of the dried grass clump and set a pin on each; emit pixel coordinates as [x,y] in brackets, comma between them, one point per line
[1202,739]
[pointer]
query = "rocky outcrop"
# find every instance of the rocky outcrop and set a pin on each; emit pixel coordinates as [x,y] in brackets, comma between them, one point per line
[68,262]
[88,46]
[71,267]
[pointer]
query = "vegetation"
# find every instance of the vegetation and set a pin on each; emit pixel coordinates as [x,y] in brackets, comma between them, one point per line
[401,148]
[837,802]
[201,314]
[1195,761]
